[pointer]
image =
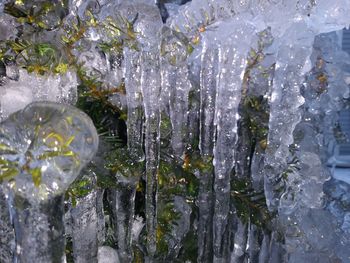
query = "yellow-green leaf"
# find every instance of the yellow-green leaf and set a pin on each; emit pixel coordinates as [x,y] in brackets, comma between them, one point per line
[6,149]
[61,68]
[69,141]
[36,176]
[8,173]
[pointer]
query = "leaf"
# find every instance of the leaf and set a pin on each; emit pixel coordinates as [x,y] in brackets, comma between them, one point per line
[56,136]
[36,176]
[61,68]
[5,149]
[13,10]
[250,204]
[69,141]
[8,173]
[45,49]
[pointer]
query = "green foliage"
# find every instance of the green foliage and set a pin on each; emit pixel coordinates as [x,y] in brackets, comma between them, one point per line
[36,57]
[167,217]
[81,187]
[120,162]
[174,180]
[57,57]
[293,166]
[176,177]
[250,205]
[256,116]
[69,250]
[42,15]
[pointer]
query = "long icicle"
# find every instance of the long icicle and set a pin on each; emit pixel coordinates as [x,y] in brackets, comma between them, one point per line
[232,62]
[291,62]
[175,81]
[123,198]
[208,77]
[148,24]
[132,75]
[150,85]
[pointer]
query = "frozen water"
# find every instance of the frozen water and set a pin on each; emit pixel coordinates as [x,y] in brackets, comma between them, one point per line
[7,239]
[250,88]
[87,223]
[43,148]
[107,255]
[50,142]
[132,76]
[175,73]
[232,61]
[148,25]
[122,201]
[16,94]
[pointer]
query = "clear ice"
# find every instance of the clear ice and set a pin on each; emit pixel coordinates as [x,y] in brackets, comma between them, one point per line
[43,149]
[254,92]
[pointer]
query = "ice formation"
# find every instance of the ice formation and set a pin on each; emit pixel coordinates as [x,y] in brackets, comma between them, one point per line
[25,88]
[43,148]
[244,94]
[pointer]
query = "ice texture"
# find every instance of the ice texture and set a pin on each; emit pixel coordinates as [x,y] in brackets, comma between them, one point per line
[122,202]
[304,199]
[148,25]
[175,81]
[44,147]
[232,61]
[143,86]
[29,87]
[51,140]
[132,76]
[203,66]
[7,238]
[107,255]
[87,222]
[285,100]
[209,69]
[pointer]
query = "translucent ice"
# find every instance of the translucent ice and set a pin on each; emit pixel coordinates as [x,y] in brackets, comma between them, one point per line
[148,25]
[107,255]
[16,94]
[43,149]
[175,80]
[87,221]
[232,62]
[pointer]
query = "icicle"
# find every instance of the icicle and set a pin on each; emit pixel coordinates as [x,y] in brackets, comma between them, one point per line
[87,223]
[108,255]
[45,146]
[253,243]
[240,243]
[39,230]
[179,109]
[150,85]
[264,253]
[122,201]
[148,25]
[132,75]
[208,83]
[174,68]
[232,61]
[291,65]
[208,77]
